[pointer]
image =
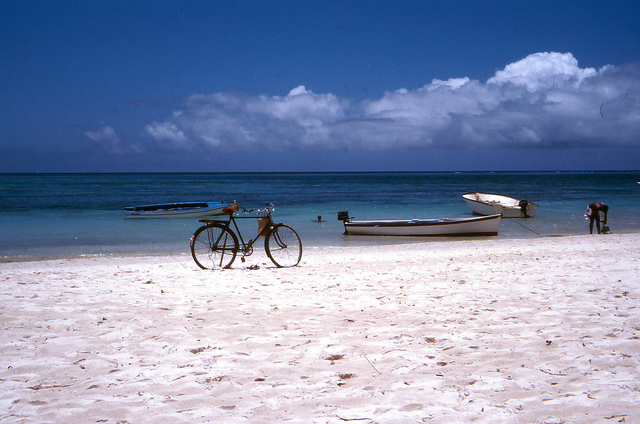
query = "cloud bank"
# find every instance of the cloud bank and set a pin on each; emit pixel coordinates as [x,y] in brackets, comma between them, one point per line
[544,100]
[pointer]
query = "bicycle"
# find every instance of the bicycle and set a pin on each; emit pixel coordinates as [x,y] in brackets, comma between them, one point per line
[216,245]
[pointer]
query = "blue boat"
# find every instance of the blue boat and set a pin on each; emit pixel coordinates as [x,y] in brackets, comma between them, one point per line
[177,210]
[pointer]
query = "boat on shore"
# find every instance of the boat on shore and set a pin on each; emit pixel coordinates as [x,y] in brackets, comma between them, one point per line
[444,227]
[176,210]
[491,204]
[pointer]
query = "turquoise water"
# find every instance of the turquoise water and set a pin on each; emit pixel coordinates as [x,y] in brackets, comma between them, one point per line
[53,215]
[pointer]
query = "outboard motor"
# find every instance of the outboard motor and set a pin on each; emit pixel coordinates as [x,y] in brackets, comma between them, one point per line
[344,217]
[523,207]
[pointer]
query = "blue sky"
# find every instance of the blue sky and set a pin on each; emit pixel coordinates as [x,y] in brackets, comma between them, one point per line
[319,85]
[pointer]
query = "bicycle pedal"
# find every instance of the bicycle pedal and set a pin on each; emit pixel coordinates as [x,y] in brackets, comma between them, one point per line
[242,259]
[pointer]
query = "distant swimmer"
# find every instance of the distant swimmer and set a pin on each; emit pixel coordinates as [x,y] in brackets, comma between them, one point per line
[319,219]
[593,214]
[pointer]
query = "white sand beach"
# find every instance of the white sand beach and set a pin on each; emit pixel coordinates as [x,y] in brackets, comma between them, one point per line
[542,330]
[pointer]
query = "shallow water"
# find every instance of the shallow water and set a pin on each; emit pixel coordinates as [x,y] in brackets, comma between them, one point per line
[51,215]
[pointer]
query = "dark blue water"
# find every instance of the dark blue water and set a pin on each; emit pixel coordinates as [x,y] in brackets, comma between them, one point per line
[49,215]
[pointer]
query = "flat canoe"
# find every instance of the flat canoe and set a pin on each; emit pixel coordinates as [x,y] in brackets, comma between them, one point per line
[176,210]
[447,227]
[491,204]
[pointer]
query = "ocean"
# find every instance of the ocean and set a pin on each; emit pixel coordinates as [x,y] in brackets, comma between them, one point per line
[73,215]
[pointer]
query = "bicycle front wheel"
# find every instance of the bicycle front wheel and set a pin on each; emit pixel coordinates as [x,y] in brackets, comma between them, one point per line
[283,246]
[214,246]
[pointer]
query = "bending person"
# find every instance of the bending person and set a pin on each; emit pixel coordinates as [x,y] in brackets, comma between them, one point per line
[593,213]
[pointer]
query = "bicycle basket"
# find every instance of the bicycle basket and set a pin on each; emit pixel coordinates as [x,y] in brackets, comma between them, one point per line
[262,225]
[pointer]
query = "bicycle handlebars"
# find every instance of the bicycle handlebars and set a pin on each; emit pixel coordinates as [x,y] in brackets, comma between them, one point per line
[269,207]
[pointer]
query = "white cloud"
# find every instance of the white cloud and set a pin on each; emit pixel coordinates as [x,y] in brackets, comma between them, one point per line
[540,71]
[545,99]
[106,139]
[167,132]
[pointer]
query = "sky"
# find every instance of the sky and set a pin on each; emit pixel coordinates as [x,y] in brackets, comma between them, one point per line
[297,86]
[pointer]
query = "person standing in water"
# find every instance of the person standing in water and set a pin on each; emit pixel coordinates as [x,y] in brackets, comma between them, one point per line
[593,213]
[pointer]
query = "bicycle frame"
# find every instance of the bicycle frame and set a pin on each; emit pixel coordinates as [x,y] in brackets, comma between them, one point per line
[246,247]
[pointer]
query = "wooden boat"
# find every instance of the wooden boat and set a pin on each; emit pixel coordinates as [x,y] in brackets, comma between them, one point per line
[491,204]
[447,227]
[176,210]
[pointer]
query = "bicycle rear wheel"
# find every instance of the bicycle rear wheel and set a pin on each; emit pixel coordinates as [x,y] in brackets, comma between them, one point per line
[214,246]
[283,246]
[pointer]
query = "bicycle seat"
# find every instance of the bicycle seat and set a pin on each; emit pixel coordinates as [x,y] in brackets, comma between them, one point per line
[230,209]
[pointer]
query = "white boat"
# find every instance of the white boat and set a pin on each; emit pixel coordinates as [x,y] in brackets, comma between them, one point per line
[491,204]
[177,210]
[448,227]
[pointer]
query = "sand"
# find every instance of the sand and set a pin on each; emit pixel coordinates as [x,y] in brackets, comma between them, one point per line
[486,331]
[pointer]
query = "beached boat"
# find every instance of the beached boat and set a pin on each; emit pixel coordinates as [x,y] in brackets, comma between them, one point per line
[491,204]
[447,227]
[176,210]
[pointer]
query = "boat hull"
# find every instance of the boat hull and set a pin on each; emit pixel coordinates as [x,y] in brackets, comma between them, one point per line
[176,210]
[477,226]
[491,204]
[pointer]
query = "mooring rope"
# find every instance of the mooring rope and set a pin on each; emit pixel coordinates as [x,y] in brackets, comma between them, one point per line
[524,226]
